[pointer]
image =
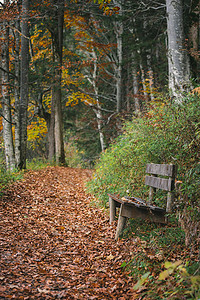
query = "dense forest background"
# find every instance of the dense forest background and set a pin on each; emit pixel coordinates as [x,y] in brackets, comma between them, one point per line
[73,71]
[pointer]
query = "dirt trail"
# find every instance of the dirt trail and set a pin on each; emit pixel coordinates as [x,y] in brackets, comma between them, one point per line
[56,245]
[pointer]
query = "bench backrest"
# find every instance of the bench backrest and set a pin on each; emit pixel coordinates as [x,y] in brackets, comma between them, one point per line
[165,182]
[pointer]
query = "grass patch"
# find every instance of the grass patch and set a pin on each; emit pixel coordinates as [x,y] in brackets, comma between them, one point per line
[37,164]
[7,178]
[162,266]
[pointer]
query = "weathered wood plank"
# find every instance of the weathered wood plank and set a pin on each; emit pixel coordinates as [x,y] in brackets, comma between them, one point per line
[112,205]
[161,169]
[134,212]
[170,199]
[137,199]
[160,183]
[121,224]
[116,198]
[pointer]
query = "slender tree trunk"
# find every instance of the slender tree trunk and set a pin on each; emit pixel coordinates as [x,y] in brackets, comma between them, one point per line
[56,111]
[178,61]
[118,26]
[7,118]
[146,97]
[59,143]
[128,98]
[97,110]
[17,93]
[51,127]
[151,77]
[24,82]
[194,37]
[136,91]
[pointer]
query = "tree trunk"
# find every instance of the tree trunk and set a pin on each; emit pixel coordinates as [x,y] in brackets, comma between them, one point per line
[24,82]
[59,143]
[194,38]
[136,92]
[146,97]
[51,133]
[137,105]
[56,111]
[151,77]
[97,110]
[7,118]
[17,92]
[178,62]
[118,27]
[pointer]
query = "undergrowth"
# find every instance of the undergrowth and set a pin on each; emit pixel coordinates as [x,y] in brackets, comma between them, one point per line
[167,133]
[162,267]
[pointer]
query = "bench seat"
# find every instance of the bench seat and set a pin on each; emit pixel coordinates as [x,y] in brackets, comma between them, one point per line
[134,207]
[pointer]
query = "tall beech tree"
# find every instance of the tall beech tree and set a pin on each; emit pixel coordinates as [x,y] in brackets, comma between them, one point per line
[57,42]
[24,82]
[178,59]
[16,54]
[5,87]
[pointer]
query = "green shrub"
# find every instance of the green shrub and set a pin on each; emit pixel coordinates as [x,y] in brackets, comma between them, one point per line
[6,178]
[167,133]
[37,164]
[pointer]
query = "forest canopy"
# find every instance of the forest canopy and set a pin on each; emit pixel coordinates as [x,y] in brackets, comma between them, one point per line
[73,71]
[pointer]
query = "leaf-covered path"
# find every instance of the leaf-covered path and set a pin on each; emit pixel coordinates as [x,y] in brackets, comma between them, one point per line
[56,245]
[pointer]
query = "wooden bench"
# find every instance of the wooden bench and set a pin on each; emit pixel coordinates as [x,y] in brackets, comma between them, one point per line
[160,176]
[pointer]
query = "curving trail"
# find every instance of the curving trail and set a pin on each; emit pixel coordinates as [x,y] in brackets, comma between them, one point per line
[56,245]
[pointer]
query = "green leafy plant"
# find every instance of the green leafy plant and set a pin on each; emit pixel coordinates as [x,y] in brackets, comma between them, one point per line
[167,133]
[178,282]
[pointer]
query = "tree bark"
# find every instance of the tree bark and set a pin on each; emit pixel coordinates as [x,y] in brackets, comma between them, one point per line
[151,76]
[97,109]
[7,118]
[56,110]
[137,105]
[194,37]
[118,27]
[24,82]
[178,61]
[17,92]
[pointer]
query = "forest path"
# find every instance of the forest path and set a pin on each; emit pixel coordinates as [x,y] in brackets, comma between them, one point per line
[56,245]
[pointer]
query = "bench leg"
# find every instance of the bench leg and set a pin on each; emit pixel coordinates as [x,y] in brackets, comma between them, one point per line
[112,204]
[120,225]
[170,199]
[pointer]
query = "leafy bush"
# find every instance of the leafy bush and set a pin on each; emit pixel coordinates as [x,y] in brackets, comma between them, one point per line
[37,164]
[167,133]
[73,156]
[156,267]
[7,178]
[175,282]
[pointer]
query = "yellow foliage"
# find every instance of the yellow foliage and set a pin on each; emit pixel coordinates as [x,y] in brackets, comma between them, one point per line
[41,45]
[75,79]
[37,130]
[79,96]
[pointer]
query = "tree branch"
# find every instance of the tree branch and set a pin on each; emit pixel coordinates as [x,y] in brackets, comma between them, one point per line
[8,72]
[7,119]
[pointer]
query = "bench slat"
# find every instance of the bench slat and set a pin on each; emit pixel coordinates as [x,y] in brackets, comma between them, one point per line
[160,183]
[161,169]
[130,211]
